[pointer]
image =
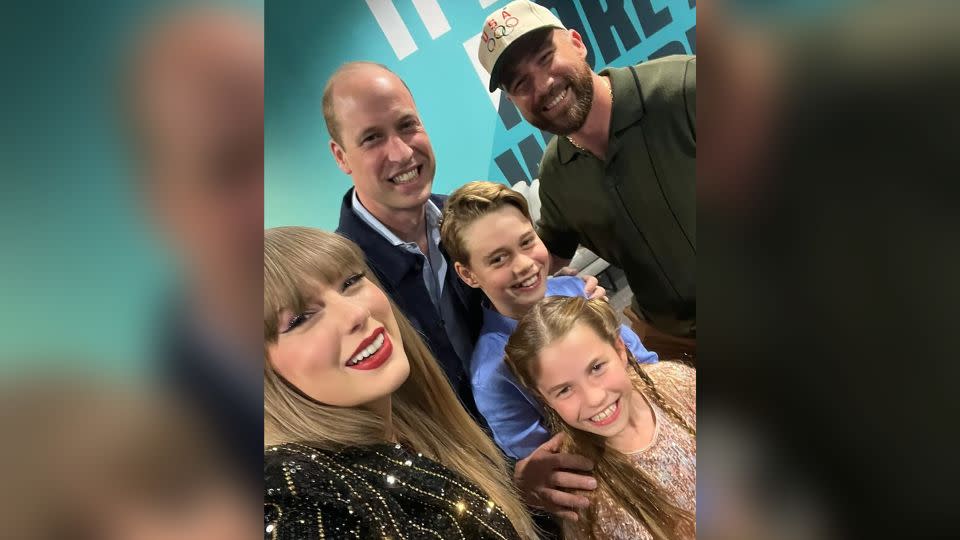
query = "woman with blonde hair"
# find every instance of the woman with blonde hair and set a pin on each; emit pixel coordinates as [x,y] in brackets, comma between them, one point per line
[364,436]
[636,423]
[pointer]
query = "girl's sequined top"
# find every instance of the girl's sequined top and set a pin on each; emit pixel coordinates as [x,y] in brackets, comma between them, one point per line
[383,491]
[670,459]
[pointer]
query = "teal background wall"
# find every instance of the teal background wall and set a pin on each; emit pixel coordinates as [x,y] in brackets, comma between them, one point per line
[474,137]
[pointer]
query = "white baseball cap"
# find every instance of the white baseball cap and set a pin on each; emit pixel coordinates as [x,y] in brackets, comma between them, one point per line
[504,27]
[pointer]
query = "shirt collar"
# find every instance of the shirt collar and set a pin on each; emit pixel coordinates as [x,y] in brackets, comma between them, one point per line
[627,110]
[432,213]
[494,321]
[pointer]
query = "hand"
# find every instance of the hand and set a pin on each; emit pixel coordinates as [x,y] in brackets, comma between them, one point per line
[542,476]
[592,288]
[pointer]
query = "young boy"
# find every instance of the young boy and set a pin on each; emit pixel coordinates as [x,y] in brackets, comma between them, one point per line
[488,233]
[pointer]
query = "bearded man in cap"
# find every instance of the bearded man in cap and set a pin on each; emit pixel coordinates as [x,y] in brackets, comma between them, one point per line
[620,177]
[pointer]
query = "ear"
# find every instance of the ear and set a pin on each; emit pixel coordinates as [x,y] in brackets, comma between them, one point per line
[577,40]
[340,157]
[466,275]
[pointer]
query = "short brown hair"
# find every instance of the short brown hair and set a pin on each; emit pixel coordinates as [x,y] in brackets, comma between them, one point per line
[469,203]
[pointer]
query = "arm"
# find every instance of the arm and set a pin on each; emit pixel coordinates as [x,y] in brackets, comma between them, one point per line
[562,241]
[514,422]
[512,416]
[555,232]
[558,265]
[633,343]
[543,477]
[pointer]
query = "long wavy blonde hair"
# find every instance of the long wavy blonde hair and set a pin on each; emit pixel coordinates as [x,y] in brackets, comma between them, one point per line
[426,413]
[632,489]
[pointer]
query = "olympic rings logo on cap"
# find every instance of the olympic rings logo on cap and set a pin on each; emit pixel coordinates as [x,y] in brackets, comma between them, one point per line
[499,30]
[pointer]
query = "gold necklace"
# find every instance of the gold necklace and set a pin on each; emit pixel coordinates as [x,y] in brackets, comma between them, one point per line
[609,89]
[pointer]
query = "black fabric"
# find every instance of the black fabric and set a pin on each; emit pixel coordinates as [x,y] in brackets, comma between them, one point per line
[382,491]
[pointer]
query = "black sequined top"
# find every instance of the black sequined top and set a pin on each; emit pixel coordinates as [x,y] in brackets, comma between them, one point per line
[383,491]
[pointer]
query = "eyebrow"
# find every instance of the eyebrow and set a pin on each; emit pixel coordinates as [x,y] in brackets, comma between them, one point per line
[567,383]
[496,251]
[407,116]
[510,75]
[369,131]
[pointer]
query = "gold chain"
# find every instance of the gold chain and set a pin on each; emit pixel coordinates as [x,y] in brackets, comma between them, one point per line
[610,89]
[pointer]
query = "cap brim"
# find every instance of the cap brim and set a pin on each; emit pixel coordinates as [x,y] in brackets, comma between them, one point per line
[498,65]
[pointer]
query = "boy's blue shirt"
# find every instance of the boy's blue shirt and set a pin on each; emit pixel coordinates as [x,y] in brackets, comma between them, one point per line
[513,414]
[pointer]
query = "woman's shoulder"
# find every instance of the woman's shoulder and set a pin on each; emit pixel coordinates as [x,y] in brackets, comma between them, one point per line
[366,492]
[669,371]
[675,380]
[311,493]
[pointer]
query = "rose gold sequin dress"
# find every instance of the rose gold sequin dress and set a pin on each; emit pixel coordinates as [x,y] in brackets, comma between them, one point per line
[670,459]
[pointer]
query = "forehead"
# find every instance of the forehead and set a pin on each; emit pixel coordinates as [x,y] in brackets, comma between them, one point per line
[370,95]
[495,228]
[568,357]
[522,55]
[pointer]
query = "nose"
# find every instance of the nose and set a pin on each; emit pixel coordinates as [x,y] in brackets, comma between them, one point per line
[543,82]
[352,314]
[594,395]
[398,151]
[522,265]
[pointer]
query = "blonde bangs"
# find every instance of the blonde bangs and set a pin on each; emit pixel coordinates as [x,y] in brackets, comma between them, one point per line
[297,260]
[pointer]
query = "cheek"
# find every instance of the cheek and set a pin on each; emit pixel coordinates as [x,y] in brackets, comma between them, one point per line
[377,303]
[494,279]
[619,381]
[305,356]
[540,253]
[366,164]
[422,144]
[502,277]
[568,409]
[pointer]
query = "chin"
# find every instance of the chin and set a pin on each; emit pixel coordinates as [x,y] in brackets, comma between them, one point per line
[400,371]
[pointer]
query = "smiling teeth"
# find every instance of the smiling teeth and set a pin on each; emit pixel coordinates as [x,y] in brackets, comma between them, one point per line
[528,282]
[406,177]
[602,415]
[362,355]
[554,101]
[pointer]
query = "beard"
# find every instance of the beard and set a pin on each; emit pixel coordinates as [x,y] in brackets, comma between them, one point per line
[572,119]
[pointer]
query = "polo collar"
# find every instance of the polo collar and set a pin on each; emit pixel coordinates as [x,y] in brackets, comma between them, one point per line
[628,109]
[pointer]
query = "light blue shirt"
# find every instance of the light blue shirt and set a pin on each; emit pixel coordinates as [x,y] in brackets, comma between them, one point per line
[513,413]
[435,264]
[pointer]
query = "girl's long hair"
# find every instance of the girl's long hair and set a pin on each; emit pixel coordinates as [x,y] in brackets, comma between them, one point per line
[426,413]
[630,488]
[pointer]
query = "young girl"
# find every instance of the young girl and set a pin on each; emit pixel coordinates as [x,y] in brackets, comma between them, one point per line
[637,424]
[364,436]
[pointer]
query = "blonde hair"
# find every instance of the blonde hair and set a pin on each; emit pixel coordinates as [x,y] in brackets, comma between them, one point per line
[633,490]
[426,413]
[469,203]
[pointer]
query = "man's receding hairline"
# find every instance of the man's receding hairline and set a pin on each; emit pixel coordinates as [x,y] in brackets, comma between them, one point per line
[334,80]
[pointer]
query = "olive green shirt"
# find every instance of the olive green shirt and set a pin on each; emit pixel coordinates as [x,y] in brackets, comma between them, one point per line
[637,208]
